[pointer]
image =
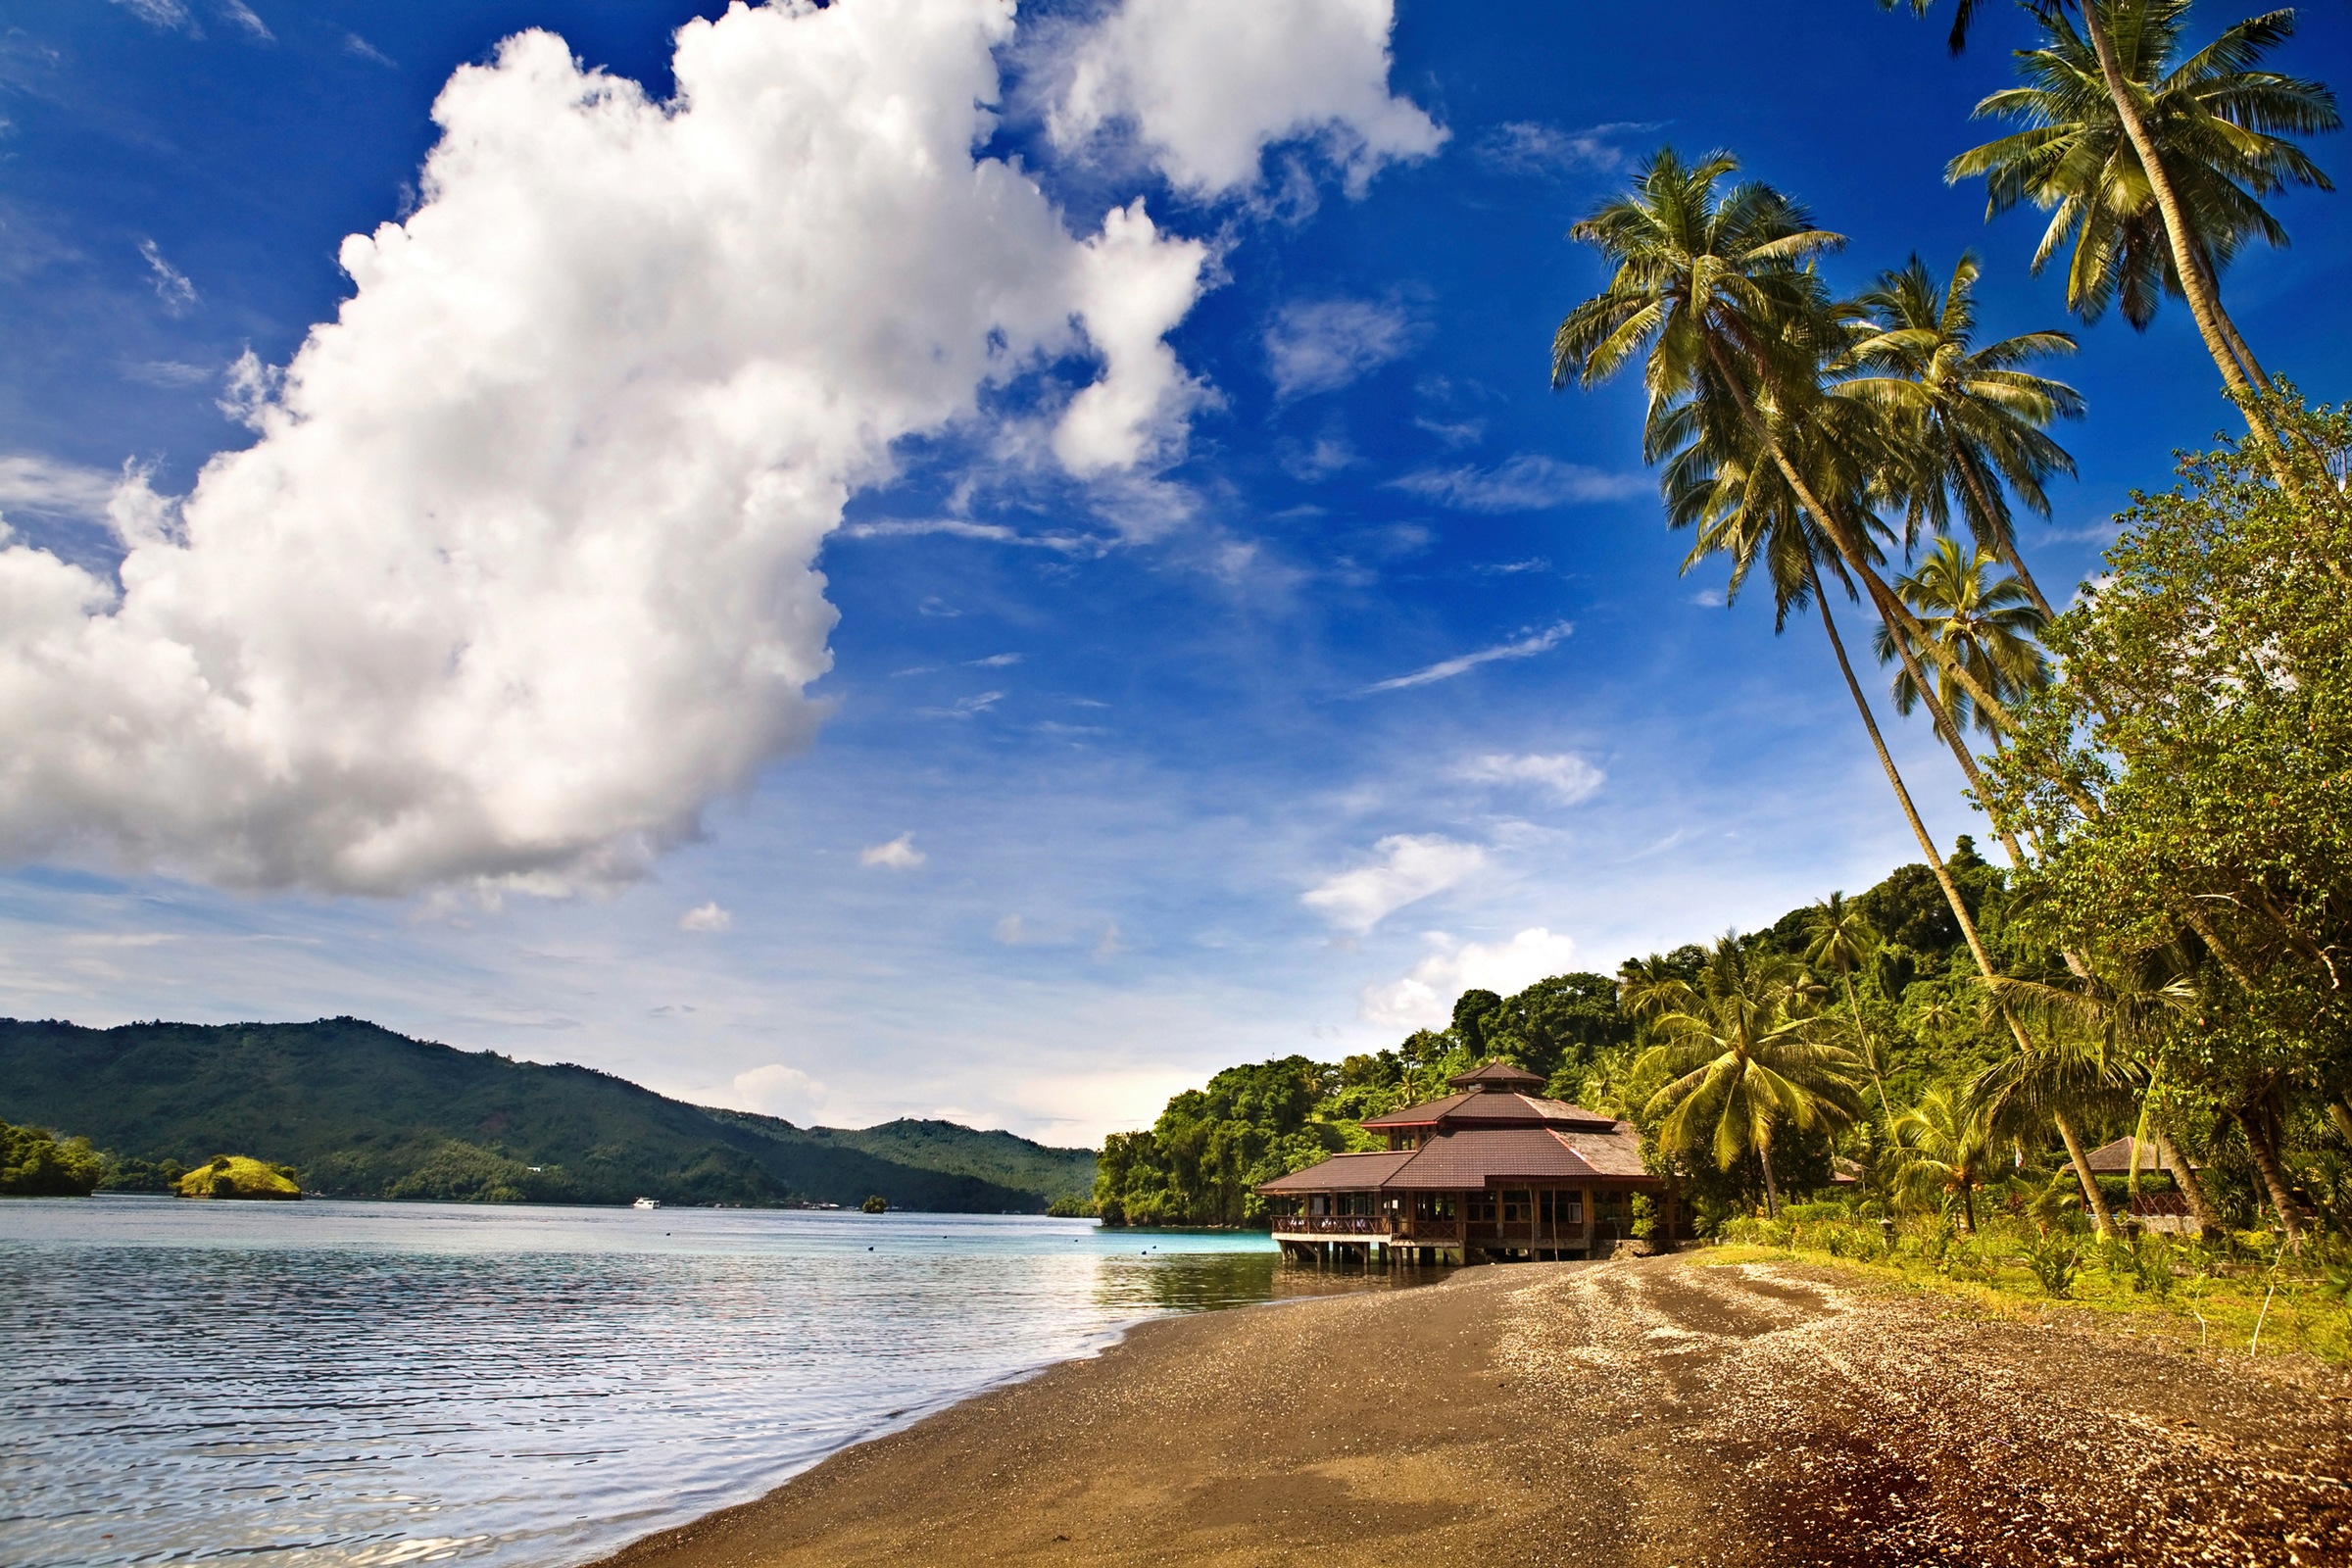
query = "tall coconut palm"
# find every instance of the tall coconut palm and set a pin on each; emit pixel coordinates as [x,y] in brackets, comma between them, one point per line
[1943,1147]
[2153,162]
[1713,293]
[1970,421]
[1841,939]
[1987,623]
[1748,1062]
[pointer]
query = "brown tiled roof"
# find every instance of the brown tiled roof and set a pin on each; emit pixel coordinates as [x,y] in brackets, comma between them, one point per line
[1490,1107]
[1476,1157]
[1499,1074]
[1341,1173]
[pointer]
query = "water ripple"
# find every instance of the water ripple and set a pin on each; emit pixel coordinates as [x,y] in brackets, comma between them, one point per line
[391,1384]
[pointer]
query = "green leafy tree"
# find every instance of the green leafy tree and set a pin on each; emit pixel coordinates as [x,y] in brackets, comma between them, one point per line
[35,1163]
[2191,777]
[1944,1146]
[1839,941]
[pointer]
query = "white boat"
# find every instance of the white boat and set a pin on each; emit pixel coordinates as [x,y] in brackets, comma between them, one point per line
[645,1202]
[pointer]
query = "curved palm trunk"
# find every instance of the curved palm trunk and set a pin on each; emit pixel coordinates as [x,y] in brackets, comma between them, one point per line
[1968,1205]
[1772,1191]
[2092,1197]
[1883,598]
[2004,539]
[2192,1184]
[1950,734]
[2197,286]
[2253,1120]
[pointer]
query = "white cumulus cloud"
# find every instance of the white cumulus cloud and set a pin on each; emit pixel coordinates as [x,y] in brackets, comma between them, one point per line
[1423,998]
[518,574]
[1566,777]
[1410,867]
[1205,86]
[1315,346]
[775,1089]
[898,854]
[708,919]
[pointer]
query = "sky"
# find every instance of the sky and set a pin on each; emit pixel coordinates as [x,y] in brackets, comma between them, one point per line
[910,560]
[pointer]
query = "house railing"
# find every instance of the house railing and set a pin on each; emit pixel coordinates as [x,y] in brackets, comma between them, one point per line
[1331,1225]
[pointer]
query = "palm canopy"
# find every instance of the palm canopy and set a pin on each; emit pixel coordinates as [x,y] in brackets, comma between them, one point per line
[1707,276]
[1839,936]
[1986,622]
[1967,423]
[2219,126]
[1747,1060]
[1944,1146]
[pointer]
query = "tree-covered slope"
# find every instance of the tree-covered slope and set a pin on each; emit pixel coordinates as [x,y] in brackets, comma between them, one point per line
[362,1112]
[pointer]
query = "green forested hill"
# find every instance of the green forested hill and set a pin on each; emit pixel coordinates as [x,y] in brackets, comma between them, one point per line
[362,1112]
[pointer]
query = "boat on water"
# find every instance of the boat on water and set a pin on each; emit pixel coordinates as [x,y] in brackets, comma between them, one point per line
[645,1202]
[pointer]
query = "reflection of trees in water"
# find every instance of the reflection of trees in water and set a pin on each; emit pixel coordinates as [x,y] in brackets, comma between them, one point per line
[1205,1282]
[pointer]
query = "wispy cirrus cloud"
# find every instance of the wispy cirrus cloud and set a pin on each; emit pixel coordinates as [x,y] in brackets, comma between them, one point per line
[1321,345]
[1408,867]
[48,488]
[1531,147]
[1528,482]
[1563,775]
[1526,646]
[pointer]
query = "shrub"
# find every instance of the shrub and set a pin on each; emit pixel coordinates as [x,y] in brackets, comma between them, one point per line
[2053,1259]
[1644,1216]
[2152,1267]
[876,1204]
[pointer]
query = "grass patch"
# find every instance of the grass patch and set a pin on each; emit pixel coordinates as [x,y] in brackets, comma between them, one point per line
[237,1176]
[2213,1297]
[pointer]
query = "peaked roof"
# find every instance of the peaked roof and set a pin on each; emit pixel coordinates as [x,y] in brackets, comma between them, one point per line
[1489,1108]
[1476,1157]
[2114,1158]
[1496,1074]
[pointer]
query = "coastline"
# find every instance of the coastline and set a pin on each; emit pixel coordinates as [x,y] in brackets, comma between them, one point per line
[1650,1412]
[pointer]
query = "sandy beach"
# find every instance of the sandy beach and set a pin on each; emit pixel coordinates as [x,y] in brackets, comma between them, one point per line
[1652,1412]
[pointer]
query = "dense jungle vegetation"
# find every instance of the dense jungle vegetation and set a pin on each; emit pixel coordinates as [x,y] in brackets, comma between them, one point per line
[2165,766]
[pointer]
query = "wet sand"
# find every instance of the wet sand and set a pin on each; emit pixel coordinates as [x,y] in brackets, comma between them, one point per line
[1654,1413]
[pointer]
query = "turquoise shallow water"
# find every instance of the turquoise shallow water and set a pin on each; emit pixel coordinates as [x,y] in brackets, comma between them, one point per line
[395,1383]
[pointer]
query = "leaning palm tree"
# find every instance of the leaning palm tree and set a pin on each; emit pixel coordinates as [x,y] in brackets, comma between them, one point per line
[1839,939]
[1986,624]
[2153,164]
[2126,1013]
[1747,1062]
[1714,294]
[1971,420]
[1944,1148]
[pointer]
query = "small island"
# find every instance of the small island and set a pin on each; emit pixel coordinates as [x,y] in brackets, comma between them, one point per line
[233,1176]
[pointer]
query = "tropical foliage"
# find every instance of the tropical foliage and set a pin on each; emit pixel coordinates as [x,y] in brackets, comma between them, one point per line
[35,1163]
[2165,765]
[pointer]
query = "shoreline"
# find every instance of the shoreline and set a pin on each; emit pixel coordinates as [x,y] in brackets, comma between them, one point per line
[1649,1412]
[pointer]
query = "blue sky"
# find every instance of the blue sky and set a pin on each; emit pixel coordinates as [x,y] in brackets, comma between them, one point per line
[1241,670]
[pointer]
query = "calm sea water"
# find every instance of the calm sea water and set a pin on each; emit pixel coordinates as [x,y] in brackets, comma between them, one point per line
[381,1383]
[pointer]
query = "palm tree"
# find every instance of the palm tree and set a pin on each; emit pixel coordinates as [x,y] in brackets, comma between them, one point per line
[1714,293]
[2153,164]
[1987,625]
[1649,988]
[1840,938]
[1747,1062]
[1944,1148]
[2126,1013]
[1971,420]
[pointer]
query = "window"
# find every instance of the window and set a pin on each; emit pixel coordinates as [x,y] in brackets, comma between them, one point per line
[1562,1208]
[1433,1206]
[1515,1206]
[1481,1207]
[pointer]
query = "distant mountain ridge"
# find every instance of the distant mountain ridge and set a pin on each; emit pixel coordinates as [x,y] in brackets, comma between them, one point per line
[363,1112]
